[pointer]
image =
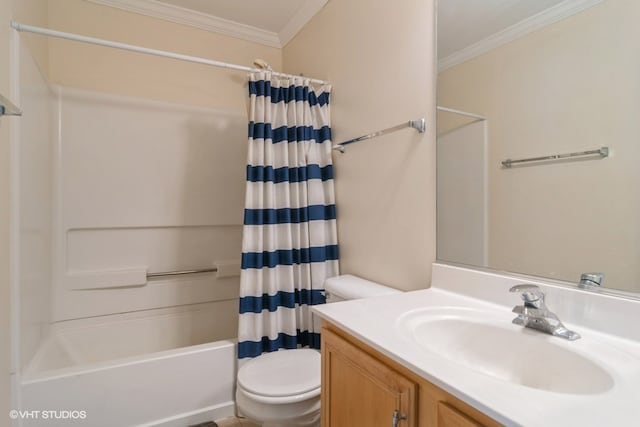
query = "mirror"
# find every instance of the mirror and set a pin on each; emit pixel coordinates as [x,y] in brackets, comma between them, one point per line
[553,86]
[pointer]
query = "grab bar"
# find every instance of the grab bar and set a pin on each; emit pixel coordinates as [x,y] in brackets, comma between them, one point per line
[181,272]
[602,152]
[114,279]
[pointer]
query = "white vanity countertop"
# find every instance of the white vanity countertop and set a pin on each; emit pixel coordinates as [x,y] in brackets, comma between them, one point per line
[375,321]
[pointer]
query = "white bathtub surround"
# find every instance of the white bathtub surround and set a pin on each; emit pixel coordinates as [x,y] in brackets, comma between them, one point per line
[167,367]
[144,186]
[33,207]
[138,187]
[83,342]
[606,341]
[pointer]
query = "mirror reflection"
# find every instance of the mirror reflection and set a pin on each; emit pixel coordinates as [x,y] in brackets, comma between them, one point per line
[538,126]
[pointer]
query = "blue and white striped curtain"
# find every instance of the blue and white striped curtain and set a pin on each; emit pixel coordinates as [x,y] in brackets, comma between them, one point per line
[289,244]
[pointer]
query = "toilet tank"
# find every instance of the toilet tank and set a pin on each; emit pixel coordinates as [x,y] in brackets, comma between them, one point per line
[348,287]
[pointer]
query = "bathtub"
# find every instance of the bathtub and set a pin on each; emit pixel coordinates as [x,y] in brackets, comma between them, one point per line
[167,367]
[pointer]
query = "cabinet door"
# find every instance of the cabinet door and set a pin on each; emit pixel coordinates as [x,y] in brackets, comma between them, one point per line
[448,416]
[360,391]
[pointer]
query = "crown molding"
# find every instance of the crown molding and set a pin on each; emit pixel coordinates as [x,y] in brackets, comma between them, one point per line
[300,19]
[195,19]
[547,17]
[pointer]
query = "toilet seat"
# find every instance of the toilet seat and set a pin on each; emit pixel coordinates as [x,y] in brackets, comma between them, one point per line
[281,376]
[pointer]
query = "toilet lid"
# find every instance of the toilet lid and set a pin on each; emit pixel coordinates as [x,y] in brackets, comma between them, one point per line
[281,373]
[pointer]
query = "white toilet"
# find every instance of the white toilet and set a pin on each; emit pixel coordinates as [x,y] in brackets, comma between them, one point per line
[282,389]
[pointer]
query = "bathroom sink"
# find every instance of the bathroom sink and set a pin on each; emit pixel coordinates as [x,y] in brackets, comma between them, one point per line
[488,343]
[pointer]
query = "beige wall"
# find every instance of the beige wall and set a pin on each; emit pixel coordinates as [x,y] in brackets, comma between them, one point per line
[380,60]
[113,71]
[571,86]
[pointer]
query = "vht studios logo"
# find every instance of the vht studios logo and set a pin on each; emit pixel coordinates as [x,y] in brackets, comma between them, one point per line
[47,415]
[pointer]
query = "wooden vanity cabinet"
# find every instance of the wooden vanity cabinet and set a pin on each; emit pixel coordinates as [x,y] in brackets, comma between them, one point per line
[358,389]
[363,388]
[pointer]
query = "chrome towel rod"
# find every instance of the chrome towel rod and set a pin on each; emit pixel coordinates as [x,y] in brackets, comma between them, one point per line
[419,125]
[138,49]
[602,152]
[181,272]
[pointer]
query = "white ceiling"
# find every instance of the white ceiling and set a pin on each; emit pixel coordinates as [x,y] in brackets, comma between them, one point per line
[462,23]
[271,15]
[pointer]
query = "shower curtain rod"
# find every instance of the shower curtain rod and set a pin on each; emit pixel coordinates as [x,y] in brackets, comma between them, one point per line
[132,48]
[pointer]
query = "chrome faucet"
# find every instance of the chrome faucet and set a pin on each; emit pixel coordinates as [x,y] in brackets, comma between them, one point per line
[591,280]
[535,314]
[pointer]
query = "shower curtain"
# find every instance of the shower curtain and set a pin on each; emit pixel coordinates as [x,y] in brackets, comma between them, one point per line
[289,243]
